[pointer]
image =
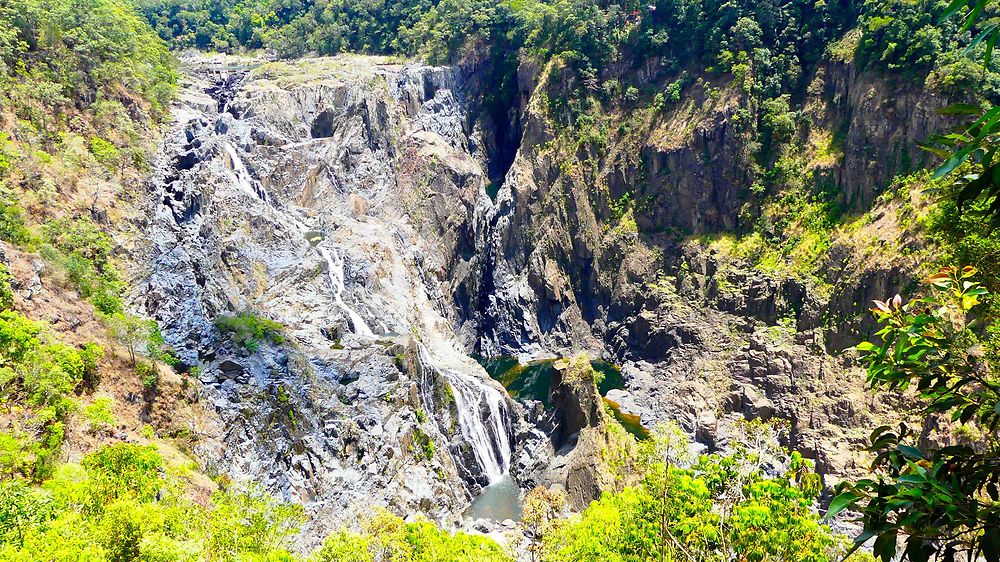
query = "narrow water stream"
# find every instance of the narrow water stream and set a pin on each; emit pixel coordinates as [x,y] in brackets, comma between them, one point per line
[335,268]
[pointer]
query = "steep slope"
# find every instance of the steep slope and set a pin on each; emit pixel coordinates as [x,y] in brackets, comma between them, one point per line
[280,193]
[645,247]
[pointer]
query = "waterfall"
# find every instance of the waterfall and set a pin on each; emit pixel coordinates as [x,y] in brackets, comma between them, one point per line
[242,176]
[483,418]
[335,269]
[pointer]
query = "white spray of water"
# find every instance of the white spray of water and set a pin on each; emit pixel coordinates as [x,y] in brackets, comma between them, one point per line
[483,419]
[335,269]
[241,175]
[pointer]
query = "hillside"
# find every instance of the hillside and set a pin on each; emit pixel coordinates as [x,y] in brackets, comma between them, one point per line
[535,280]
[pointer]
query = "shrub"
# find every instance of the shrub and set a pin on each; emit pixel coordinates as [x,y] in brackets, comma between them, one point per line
[50,372]
[12,226]
[123,470]
[419,541]
[91,354]
[133,332]
[98,414]
[6,292]
[422,445]
[248,522]
[83,252]
[13,458]
[105,153]
[147,374]
[249,330]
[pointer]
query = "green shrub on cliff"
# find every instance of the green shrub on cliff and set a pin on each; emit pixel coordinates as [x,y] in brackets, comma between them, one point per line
[250,330]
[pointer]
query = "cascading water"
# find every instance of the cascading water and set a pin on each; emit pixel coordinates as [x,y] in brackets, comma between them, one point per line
[247,206]
[471,397]
[334,261]
[484,418]
[335,269]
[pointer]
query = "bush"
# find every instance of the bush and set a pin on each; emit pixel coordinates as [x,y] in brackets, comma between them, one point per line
[723,507]
[13,456]
[83,252]
[147,374]
[121,471]
[249,522]
[45,371]
[422,445]
[12,226]
[249,330]
[6,292]
[99,415]
[105,153]
[91,354]
[133,332]
[419,541]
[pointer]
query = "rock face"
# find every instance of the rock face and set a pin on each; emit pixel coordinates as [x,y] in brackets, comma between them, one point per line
[394,226]
[300,194]
[581,441]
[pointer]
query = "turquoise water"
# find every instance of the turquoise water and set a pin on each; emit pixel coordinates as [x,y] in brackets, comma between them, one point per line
[531,381]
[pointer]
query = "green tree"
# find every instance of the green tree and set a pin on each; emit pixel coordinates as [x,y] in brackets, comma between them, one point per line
[944,501]
[250,522]
[132,332]
[122,471]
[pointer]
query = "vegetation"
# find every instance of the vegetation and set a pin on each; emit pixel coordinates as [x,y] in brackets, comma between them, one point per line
[124,502]
[387,538]
[250,330]
[80,81]
[38,371]
[133,333]
[82,254]
[718,508]
[100,414]
[944,500]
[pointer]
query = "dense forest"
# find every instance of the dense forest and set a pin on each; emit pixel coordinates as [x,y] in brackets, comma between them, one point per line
[84,85]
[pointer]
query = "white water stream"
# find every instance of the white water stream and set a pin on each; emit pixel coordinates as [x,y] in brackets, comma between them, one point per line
[483,418]
[335,268]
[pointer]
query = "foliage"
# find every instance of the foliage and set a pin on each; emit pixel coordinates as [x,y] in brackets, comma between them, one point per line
[944,500]
[387,538]
[122,471]
[6,292]
[123,504]
[99,414]
[722,508]
[12,227]
[249,330]
[132,332]
[249,523]
[978,137]
[148,374]
[32,364]
[105,153]
[83,252]
[422,445]
[58,51]
[539,513]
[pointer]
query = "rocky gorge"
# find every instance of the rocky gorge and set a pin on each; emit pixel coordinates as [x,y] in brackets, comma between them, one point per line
[395,225]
